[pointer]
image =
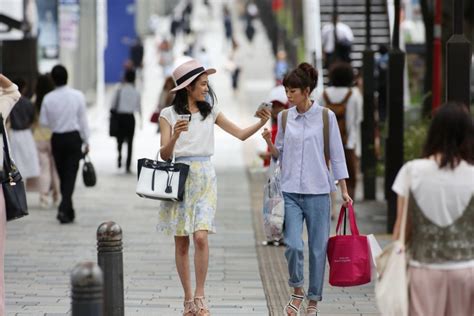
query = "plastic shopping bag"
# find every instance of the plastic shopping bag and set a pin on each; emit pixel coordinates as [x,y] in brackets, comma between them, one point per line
[273,207]
[375,251]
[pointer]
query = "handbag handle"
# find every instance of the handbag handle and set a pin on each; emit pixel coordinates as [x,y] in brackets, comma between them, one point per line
[6,147]
[352,221]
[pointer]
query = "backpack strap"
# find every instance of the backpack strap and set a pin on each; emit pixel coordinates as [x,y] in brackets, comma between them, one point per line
[326,135]
[326,97]
[346,98]
[284,118]
[343,102]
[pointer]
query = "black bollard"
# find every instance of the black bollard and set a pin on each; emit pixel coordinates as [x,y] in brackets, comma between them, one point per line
[110,259]
[87,290]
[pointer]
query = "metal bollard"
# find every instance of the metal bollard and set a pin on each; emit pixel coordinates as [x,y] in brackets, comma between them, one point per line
[109,257]
[87,290]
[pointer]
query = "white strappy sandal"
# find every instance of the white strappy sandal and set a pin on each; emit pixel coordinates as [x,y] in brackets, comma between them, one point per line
[291,308]
[312,310]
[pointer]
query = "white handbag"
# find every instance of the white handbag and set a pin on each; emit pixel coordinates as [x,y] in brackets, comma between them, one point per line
[391,288]
[160,180]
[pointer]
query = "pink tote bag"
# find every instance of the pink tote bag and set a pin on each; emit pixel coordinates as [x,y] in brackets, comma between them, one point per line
[348,255]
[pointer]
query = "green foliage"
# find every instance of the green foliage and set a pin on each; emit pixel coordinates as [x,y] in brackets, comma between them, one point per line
[414,139]
[301,51]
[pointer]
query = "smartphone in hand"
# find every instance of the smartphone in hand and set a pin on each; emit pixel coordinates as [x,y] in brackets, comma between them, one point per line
[184,117]
[264,105]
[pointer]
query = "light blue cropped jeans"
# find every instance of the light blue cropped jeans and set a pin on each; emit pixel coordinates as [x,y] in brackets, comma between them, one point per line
[315,210]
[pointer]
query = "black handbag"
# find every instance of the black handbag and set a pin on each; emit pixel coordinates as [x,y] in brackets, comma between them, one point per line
[12,183]
[88,172]
[114,122]
[160,180]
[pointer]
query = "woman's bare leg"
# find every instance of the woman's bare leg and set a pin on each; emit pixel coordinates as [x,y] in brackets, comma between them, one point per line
[182,264]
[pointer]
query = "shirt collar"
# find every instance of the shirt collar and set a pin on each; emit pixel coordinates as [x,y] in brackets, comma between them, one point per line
[306,114]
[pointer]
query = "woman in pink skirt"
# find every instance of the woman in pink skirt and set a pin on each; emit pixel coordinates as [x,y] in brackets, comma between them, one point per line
[439,190]
[9,95]
[48,181]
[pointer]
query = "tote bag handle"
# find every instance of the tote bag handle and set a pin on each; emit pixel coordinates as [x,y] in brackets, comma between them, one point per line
[352,221]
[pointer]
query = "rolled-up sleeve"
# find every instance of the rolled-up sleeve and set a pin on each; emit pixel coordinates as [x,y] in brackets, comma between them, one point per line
[336,150]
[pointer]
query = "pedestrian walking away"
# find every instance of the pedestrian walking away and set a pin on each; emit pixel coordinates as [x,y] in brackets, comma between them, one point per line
[187,133]
[165,99]
[64,112]
[439,190]
[337,38]
[9,95]
[306,186]
[127,101]
[23,147]
[346,102]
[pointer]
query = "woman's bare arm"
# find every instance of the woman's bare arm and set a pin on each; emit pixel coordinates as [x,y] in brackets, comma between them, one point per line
[242,133]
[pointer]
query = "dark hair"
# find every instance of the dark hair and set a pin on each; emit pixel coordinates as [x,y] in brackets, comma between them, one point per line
[180,102]
[59,75]
[304,76]
[21,83]
[129,76]
[44,85]
[341,75]
[451,135]
[383,49]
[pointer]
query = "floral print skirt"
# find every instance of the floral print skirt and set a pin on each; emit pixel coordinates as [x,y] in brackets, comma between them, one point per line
[198,208]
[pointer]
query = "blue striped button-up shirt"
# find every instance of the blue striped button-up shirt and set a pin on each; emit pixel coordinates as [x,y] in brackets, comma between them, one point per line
[301,149]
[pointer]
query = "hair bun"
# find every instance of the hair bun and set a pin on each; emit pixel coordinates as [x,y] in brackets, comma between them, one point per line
[310,71]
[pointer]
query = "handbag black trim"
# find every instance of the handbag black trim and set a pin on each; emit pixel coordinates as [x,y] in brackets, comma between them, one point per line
[170,168]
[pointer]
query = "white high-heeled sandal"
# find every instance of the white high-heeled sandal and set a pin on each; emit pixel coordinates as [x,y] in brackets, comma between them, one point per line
[312,310]
[291,308]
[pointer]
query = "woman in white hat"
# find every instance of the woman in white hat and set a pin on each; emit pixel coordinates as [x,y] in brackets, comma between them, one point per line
[187,133]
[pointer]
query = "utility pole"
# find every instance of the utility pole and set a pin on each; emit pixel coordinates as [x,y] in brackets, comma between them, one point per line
[368,148]
[394,142]
[458,61]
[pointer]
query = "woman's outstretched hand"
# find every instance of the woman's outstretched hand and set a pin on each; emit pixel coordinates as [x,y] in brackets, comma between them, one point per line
[264,115]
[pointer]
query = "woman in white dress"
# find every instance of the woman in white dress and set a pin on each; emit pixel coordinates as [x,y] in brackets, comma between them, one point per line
[23,151]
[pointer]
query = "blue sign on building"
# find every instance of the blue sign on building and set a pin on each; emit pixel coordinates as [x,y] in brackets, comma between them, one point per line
[120,35]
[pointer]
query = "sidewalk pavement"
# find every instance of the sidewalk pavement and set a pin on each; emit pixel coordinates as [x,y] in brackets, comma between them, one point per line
[41,253]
